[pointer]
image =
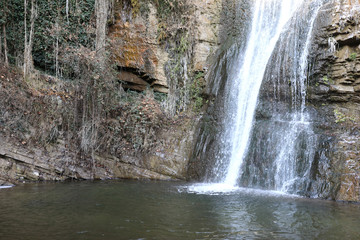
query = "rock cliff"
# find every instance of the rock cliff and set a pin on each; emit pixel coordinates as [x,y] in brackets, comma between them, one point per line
[159,45]
[334,93]
[142,42]
[56,162]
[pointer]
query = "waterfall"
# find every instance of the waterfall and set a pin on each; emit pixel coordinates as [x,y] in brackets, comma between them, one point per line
[268,22]
[283,144]
[267,153]
[288,175]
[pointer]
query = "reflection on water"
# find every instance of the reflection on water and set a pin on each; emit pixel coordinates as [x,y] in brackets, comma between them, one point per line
[163,210]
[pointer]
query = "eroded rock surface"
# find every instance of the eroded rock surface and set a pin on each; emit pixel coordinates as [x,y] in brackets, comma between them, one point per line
[54,162]
[334,92]
[139,42]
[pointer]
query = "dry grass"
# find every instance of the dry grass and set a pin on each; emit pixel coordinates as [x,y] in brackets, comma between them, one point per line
[40,111]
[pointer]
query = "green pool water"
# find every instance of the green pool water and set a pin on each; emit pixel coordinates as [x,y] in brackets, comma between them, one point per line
[166,210]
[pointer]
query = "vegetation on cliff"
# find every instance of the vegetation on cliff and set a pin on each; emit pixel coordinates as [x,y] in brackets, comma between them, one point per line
[62,85]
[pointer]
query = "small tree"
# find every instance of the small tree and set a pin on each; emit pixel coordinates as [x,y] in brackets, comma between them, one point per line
[3,22]
[101,9]
[29,37]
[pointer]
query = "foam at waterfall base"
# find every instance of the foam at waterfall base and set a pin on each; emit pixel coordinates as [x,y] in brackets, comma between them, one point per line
[211,188]
[226,189]
[5,187]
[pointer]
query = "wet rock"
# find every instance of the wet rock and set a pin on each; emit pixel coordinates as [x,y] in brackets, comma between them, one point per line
[332,101]
[234,22]
[336,68]
[4,183]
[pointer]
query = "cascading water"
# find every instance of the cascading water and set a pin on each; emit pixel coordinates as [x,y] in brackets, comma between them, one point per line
[288,174]
[268,22]
[271,19]
[283,143]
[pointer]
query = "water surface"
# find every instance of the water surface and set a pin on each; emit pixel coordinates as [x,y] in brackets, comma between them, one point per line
[165,210]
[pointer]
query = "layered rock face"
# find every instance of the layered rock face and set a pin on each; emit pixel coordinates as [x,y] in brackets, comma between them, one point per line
[338,38]
[136,49]
[141,42]
[334,92]
[20,164]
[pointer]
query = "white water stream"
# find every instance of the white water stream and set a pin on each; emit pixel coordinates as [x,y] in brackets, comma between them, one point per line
[285,164]
[270,19]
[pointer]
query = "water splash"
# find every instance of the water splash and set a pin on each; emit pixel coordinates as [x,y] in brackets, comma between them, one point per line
[224,189]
